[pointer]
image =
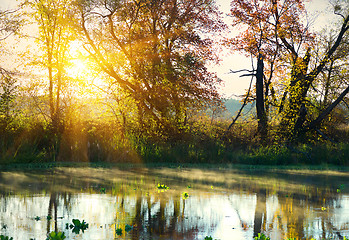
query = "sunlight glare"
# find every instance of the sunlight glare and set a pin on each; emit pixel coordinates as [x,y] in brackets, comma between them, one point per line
[78,67]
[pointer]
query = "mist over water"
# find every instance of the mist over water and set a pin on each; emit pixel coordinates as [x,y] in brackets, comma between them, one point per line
[224,204]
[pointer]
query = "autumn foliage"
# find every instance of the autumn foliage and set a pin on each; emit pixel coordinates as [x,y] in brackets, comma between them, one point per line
[279,31]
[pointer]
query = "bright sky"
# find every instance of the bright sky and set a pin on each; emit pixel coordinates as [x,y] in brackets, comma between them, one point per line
[7,4]
[233,84]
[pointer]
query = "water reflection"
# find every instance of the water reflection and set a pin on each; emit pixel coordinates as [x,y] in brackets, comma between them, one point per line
[222,204]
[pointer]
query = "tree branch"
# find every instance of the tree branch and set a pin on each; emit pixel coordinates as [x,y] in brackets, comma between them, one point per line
[242,70]
[327,111]
[330,52]
[242,107]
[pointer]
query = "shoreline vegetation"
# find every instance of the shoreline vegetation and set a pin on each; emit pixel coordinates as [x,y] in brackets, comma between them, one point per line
[202,143]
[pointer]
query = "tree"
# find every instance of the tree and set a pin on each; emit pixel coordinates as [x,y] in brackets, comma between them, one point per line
[55,35]
[8,93]
[275,29]
[265,22]
[332,80]
[301,80]
[261,114]
[156,52]
[10,23]
[49,24]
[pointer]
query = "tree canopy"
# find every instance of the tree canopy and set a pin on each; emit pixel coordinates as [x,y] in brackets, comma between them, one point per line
[155,51]
[278,30]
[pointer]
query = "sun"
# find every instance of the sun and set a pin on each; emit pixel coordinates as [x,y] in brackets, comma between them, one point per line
[82,75]
[78,66]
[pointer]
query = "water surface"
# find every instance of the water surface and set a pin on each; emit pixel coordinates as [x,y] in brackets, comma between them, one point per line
[224,204]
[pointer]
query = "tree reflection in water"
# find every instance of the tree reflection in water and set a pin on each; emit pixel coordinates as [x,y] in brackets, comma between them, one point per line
[52,206]
[239,205]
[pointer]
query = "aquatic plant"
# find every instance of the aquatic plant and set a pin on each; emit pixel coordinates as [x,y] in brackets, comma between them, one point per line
[162,186]
[56,236]
[185,195]
[208,238]
[119,231]
[2,237]
[340,188]
[128,228]
[261,236]
[77,226]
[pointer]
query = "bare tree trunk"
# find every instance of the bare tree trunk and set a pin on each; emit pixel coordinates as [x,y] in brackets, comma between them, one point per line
[57,110]
[261,116]
[327,84]
[50,77]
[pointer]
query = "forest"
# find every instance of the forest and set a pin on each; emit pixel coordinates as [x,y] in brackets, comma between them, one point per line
[127,81]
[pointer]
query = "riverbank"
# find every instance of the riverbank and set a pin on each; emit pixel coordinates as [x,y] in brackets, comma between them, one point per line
[213,153]
[218,166]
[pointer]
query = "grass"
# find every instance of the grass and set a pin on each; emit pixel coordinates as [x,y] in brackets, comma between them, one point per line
[199,145]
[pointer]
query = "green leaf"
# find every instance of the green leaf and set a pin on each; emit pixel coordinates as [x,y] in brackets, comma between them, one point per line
[56,236]
[128,228]
[119,231]
[185,195]
[77,226]
[2,237]
[261,236]
[76,222]
[76,230]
